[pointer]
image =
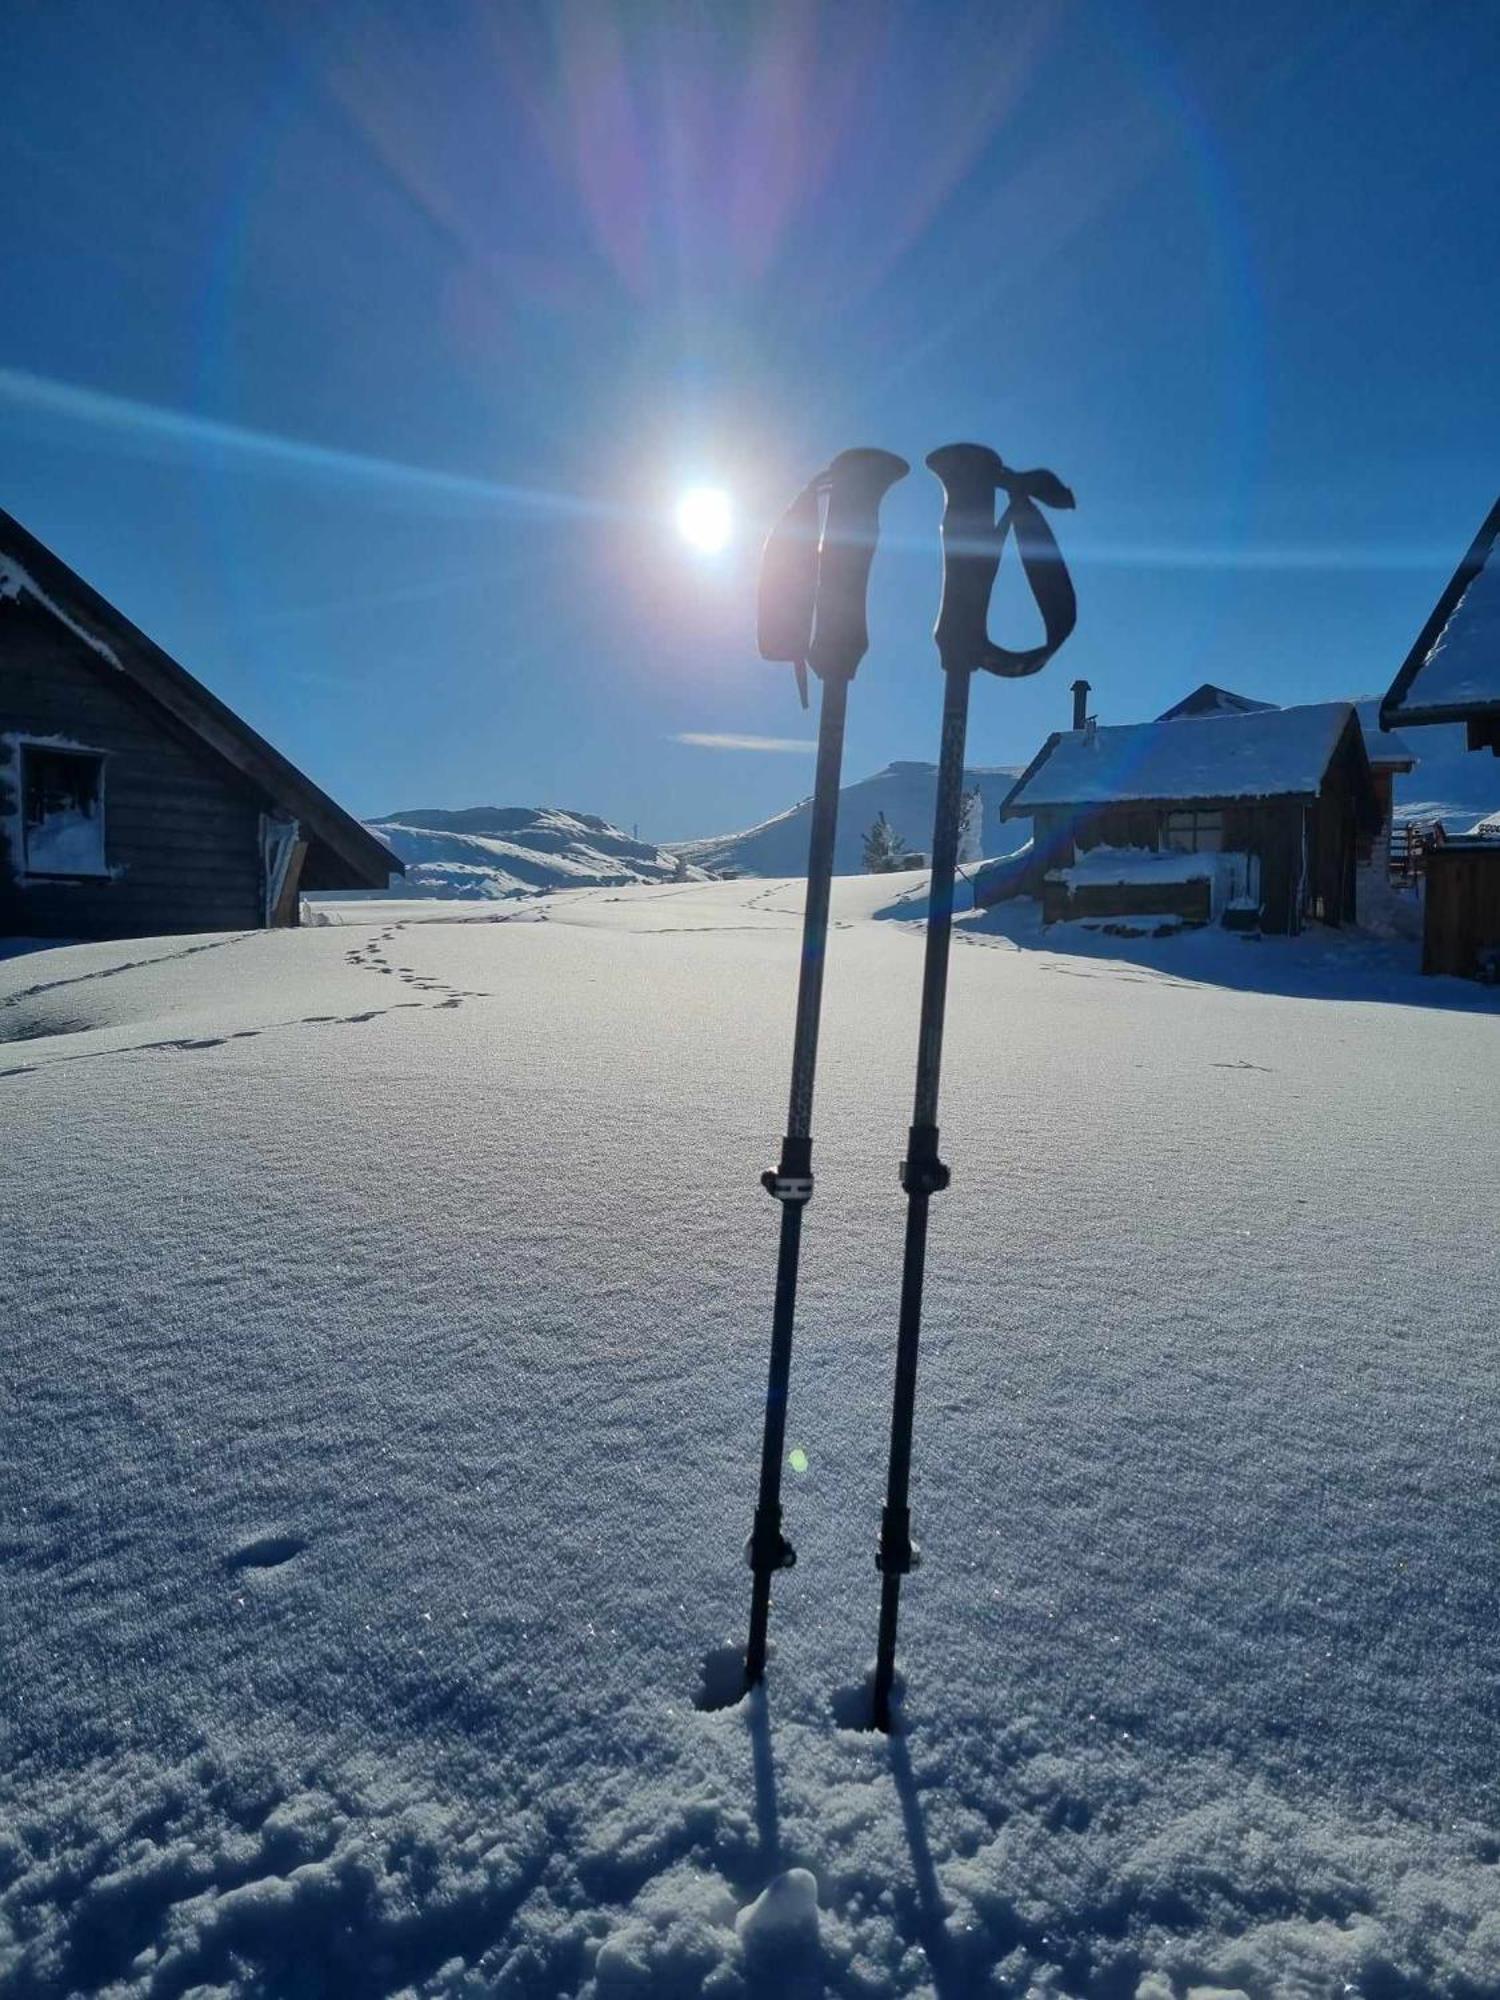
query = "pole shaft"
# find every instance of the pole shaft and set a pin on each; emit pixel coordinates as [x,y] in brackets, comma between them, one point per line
[766,1537]
[945,829]
[825,817]
[921,1152]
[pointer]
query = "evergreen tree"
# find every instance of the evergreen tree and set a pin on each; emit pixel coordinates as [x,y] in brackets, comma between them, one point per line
[971,827]
[884,848]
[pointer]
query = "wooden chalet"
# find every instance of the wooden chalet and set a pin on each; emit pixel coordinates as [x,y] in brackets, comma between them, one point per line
[132,801]
[1452,674]
[1261,810]
[1387,752]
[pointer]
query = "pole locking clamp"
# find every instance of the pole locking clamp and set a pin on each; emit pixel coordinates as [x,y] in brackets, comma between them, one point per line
[896,1554]
[922,1172]
[787,1187]
[766,1548]
[791,1179]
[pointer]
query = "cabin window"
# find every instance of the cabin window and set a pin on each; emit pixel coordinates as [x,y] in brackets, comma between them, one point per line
[63,811]
[1195,832]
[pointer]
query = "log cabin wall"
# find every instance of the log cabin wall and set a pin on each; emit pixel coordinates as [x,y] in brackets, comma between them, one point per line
[1052,837]
[1121,826]
[181,829]
[1374,846]
[1274,830]
[1461,925]
[1191,901]
[1348,811]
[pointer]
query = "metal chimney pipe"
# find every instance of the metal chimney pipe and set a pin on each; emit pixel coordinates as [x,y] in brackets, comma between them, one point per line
[1080,703]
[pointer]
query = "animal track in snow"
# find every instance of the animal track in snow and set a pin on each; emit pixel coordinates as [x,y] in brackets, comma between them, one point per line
[265,1552]
[371,957]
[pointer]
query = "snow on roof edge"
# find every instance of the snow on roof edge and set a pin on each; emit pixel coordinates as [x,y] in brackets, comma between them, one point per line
[1453,700]
[14,578]
[1265,753]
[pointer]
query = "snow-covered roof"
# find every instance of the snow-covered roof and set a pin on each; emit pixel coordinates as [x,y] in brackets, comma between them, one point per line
[1453,671]
[1210,699]
[1269,753]
[1386,750]
[14,579]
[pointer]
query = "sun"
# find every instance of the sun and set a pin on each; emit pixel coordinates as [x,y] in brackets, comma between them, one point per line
[705,519]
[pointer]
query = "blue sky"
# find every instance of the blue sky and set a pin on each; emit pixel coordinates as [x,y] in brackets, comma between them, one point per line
[361,352]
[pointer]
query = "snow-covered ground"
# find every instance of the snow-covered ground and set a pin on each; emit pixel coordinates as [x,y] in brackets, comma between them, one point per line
[386,1308]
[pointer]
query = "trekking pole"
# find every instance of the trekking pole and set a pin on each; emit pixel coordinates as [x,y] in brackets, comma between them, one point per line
[812,613]
[970,475]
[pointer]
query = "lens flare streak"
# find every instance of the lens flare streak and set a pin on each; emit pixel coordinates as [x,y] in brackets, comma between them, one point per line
[148,423]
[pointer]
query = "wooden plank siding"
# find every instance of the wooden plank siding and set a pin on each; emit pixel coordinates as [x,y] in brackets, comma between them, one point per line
[1461,926]
[1276,831]
[181,827]
[1191,901]
[1272,829]
[1307,851]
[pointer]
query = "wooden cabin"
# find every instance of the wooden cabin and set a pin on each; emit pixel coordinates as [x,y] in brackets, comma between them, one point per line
[133,803]
[1388,753]
[1452,674]
[1273,802]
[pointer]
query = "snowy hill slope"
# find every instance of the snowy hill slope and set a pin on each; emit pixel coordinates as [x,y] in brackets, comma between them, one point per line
[904,792]
[482,852]
[1451,782]
[381,1431]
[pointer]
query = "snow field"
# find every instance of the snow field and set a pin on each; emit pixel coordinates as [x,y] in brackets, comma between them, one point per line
[388,1309]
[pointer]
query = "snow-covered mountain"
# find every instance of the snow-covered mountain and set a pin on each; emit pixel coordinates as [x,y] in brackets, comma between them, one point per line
[483,852]
[1451,782]
[904,792]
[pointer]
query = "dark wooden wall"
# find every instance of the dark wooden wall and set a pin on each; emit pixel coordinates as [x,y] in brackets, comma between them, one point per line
[1462,918]
[1307,848]
[1192,901]
[181,829]
[1348,809]
[1271,829]
[1385,805]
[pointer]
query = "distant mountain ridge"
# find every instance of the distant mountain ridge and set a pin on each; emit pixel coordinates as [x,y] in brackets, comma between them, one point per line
[478,853]
[1451,782]
[905,792]
[499,821]
[485,852]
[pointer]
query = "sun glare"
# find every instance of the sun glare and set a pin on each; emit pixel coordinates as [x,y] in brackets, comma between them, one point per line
[704,519]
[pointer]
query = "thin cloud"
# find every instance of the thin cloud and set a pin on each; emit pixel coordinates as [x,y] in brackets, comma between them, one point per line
[149,425]
[706,740]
